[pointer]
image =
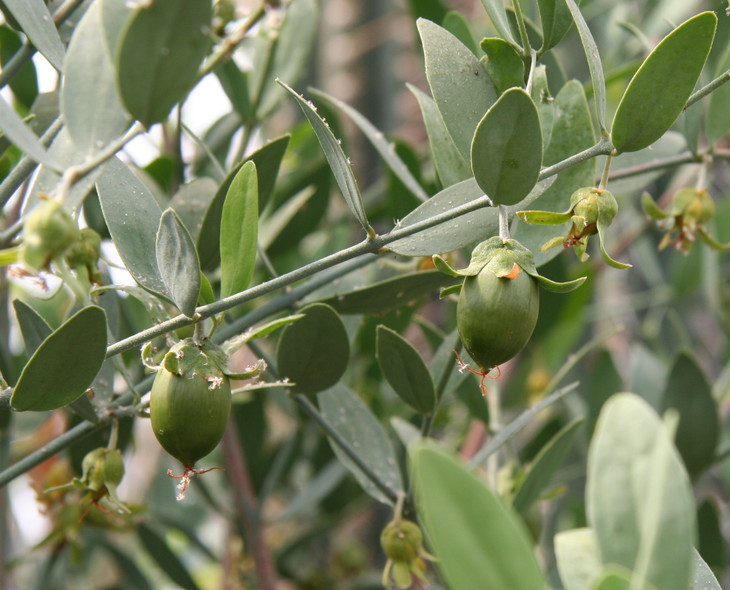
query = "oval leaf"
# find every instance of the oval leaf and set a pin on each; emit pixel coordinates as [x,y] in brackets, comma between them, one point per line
[473,534]
[159,52]
[178,263]
[638,495]
[33,327]
[133,217]
[689,392]
[239,231]
[405,370]
[355,423]
[579,563]
[556,20]
[64,365]
[459,84]
[267,159]
[313,352]
[506,153]
[90,103]
[338,161]
[660,88]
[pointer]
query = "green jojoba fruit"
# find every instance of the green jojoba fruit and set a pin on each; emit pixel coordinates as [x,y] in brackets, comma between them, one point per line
[189,405]
[496,316]
[48,231]
[401,541]
[102,468]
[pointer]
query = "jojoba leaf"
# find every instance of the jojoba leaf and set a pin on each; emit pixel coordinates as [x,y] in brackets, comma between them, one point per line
[133,217]
[405,370]
[717,122]
[239,231]
[177,262]
[338,161]
[576,553]
[506,153]
[378,141]
[453,503]
[503,64]
[90,103]
[451,166]
[660,88]
[638,494]
[33,327]
[458,25]
[158,55]
[65,363]
[37,24]
[556,20]
[546,463]
[498,15]
[689,392]
[356,424]
[461,88]
[594,61]
[21,135]
[313,352]
[267,159]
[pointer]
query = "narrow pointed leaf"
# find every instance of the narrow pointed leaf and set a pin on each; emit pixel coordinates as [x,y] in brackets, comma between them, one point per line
[22,136]
[378,141]
[313,352]
[37,24]
[546,463]
[65,363]
[160,50]
[638,495]
[459,84]
[239,231]
[355,423]
[594,61]
[506,153]
[405,370]
[157,548]
[177,262]
[133,217]
[453,505]
[688,391]
[660,88]
[338,161]
[90,103]
[451,166]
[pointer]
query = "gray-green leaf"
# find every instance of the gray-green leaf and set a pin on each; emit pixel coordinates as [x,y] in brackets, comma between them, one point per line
[65,363]
[506,153]
[239,231]
[177,262]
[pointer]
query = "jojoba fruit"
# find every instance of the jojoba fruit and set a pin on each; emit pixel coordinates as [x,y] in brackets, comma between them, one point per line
[48,231]
[496,316]
[189,413]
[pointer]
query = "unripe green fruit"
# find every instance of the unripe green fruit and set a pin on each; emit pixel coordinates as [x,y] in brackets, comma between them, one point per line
[496,316]
[401,541]
[48,231]
[189,413]
[102,468]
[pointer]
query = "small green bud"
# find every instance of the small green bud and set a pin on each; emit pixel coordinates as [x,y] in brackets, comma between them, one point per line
[102,468]
[401,541]
[48,231]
